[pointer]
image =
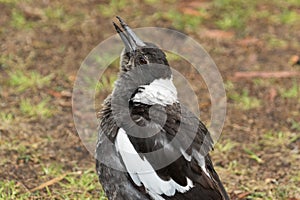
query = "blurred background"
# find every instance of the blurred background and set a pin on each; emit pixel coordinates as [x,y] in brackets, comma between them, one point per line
[254,43]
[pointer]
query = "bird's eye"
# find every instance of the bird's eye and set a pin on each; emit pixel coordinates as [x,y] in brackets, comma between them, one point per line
[142,60]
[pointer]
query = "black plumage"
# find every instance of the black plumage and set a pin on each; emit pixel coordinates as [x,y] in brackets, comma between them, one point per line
[183,140]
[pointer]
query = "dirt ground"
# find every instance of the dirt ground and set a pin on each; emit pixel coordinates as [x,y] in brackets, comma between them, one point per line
[43,44]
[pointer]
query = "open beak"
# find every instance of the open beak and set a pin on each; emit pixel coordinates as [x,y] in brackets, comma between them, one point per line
[129,38]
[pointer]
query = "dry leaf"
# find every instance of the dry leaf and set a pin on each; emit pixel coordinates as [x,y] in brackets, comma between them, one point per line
[295,60]
[54,93]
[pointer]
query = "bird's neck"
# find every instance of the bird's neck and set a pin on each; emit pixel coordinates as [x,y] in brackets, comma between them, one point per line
[160,91]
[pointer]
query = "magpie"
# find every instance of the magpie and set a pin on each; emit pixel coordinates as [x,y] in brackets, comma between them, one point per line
[161,147]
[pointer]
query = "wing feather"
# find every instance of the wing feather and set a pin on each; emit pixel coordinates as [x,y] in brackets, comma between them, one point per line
[193,162]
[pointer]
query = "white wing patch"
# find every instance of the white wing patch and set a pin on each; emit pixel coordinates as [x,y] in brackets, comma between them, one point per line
[160,91]
[142,173]
[185,155]
[199,158]
[201,161]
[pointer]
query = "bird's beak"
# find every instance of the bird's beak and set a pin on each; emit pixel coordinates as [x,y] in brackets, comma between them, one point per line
[129,38]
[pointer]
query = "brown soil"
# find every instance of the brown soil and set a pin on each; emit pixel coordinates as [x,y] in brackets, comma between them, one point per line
[57,45]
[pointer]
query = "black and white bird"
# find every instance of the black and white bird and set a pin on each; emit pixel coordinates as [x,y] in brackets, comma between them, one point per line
[161,146]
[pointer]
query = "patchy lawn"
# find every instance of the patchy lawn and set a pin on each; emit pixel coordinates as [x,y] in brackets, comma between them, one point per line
[44,42]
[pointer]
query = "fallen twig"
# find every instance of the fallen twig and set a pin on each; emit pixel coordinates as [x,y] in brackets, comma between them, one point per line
[243,195]
[53,181]
[278,74]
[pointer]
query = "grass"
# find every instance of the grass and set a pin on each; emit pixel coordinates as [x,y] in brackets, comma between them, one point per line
[281,193]
[257,195]
[243,100]
[41,109]
[286,191]
[264,190]
[10,190]
[23,150]
[274,138]
[79,185]
[233,152]
[286,17]
[32,80]
[289,17]
[296,177]
[274,42]
[295,125]
[293,2]
[6,60]
[6,118]
[106,83]
[53,169]
[230,21]
[83,186]
[233,14]
[253,156]
[113,8]
[13,1]
[184,22]
[73,186]
[106,60]
[18,20]
[226,146]
[151,2]
[263,82]
[58,16]
[236,168]
[292,92]
[173,57]
[278,139]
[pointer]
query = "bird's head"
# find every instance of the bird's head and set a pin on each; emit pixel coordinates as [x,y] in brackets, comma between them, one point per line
[137,52]
[145,78]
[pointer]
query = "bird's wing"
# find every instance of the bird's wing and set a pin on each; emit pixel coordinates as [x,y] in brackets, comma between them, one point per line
[111,172]
[109,166]
[180,167]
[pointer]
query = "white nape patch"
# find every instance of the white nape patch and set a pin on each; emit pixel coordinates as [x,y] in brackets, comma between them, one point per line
[142,173]
[160,91]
